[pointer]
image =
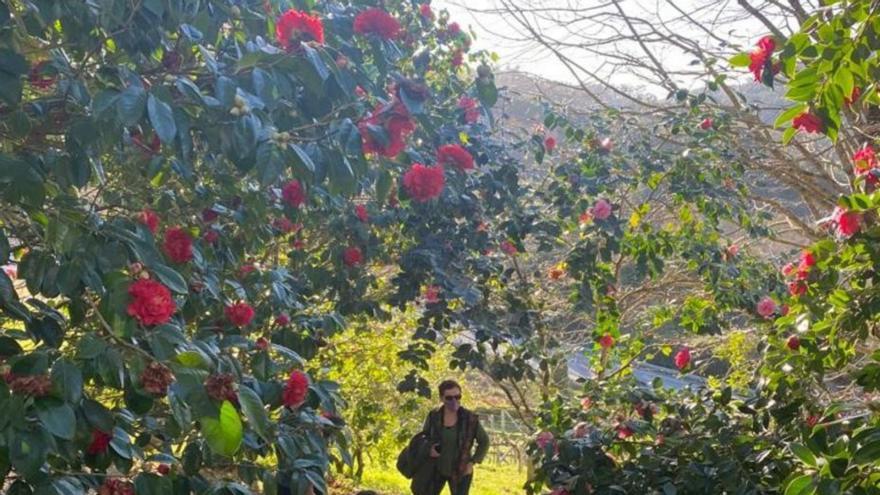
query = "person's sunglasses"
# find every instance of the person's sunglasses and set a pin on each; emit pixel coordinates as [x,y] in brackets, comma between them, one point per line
[450,398]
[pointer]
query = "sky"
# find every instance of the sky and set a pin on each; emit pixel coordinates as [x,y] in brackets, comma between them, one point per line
[529,57]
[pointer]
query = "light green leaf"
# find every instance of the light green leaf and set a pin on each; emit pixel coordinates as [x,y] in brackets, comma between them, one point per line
[223,434]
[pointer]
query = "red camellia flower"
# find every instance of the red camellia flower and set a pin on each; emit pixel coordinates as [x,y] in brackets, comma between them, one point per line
[360,211]
[788,269]
[178,245]
[116,486]
[209,215]
[164,469]
[623,431]
[293,194]
[549,144]
[32,385]
[425,11]
[222,386]
[456,156]
[377,21]
[149,218]
[864,161]
[682,358]
[808,259]
[544,439]
[282,320]
[606,341]
[470,109]
[797,288]
[261,344]
[793,343]
[848,222]
[766,307]
[156,378]
[761,55]
[211,236]
[239,314]
[508,248]
[854,96]
[39,77]
[706,124]
[812,420]
[424,183]
[808,123]
[100,442]
[601,210]
[151,302]
[454,29]
[395,120]
[457,58]
[294,27]
[296,389]
[352,256]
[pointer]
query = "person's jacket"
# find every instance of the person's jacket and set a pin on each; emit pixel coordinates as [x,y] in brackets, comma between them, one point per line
[470,432]
[415,462]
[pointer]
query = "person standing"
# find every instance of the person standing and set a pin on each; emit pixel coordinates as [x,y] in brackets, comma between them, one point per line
[458,441]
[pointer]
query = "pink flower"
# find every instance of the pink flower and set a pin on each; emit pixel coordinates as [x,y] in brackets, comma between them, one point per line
[623,431]
[549,144]
[282,320]
[606,145]
[454,29]
[508,248]
[606,341]
[432,294]
[544,439]
[797,288]
[793,343]
[732,250]
[682,358]
[864,162]
[586,403]
[425,11]
[788,269]
[470,108]
[601,210]
[766,307]
[848,222]
[706,124]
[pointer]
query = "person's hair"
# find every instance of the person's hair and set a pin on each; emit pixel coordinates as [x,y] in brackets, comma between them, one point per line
[446,385]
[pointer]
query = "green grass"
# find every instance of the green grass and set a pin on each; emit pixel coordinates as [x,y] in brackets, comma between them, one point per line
[489,479]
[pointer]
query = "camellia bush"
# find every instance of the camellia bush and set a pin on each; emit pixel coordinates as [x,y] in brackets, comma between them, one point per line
[195,196]
[808,421]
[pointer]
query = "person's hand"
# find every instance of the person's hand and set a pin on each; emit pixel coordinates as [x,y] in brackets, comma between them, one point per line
[469,469]
[434,453]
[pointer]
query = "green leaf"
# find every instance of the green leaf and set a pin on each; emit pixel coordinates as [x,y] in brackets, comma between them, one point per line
[162,119]
[58,418]
[191,359]
[130,105]
[868,453]
[223,434]
[28,451]
[255,412]
[788,135]
[170,277]
[844,79]
[802,485]
[803,453]
[67,378]
[740,60]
